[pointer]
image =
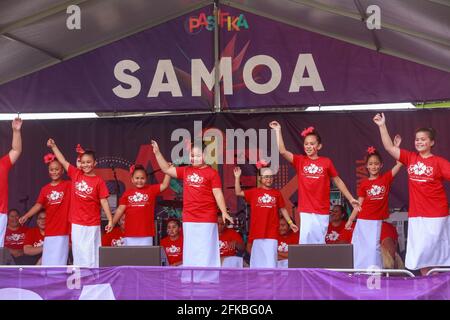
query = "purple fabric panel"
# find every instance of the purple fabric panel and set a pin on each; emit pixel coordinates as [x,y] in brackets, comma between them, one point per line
[164,283]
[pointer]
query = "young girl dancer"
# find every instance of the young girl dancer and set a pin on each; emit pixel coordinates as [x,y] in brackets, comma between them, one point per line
[265,203]
[202,194]
[138,204]
[54,198]
[428,218]
[89,193]
[313,173]
[6,163]
[373,193]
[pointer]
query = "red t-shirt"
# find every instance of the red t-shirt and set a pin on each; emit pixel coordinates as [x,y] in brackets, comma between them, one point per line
[114,238]
[15,239]
[5,166]
[286,240]
[264,217]
[376,197]
[174,249]
[388,231]
[140,210]
[86,194]
[334,234]
[56,202]
[34,238]
[199,204]
[427,196]
[227,236]
[314,183]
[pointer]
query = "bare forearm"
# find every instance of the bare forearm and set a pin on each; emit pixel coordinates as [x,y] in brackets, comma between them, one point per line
[282,148]
[34,209]
[119,212]
[58,154]
[220,200]
[32,251]
[343,188]
[237,187]
[105,205]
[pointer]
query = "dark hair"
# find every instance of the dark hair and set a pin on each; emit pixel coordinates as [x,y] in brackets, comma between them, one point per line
[316,134]
[430,131]
[89,153]
[13,209]
[141,168]
[376,154]
[177,222]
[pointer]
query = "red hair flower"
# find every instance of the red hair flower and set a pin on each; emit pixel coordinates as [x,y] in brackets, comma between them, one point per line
[49,157]
[132,167]
[261,164]
[371,150]
[79,149]
[307,131]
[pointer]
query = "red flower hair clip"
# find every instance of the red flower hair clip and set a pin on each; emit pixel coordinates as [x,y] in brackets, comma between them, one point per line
[132,168]
[307,131]
[261,164]
[79,149]
[371,150]
[49,157]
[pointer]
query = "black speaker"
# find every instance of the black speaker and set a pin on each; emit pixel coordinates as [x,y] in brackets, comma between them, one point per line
[6,259]
[132,256]
[332,256]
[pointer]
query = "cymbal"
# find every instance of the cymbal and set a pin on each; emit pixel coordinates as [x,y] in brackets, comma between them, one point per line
[242,187]
[171,203]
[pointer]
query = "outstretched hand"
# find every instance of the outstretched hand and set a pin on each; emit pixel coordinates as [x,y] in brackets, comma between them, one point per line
[237,172]
[155,146]
[397,140]
[17,124]
[275,125]
[379,119]
[51,143]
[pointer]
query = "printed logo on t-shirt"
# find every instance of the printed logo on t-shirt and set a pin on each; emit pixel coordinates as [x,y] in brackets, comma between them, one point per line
[83,187]
[332,236]
[283,247]
[15,237]
[55,197]
[38,244]
[173,250]
[138,199]
[117,242]
[313,170]
[376,192]
[420,172]
[266,200]
[194,180]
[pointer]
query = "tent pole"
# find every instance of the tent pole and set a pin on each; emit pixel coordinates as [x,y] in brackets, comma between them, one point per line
[217,107]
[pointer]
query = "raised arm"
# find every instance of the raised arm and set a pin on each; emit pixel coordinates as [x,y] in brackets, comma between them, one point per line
[398,165]
[165,183]
[163,164]
[220,200]
[237,182]
[380,121]
[288,219]
[52,145]
[280,142]
[16,145]
[343,188]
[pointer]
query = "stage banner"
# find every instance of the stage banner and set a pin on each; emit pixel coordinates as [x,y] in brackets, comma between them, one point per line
[149,71]
[231,140]
[277,65]
[263,63]
[172,283]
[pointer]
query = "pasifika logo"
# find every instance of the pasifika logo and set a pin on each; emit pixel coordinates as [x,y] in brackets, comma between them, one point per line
[226,21]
